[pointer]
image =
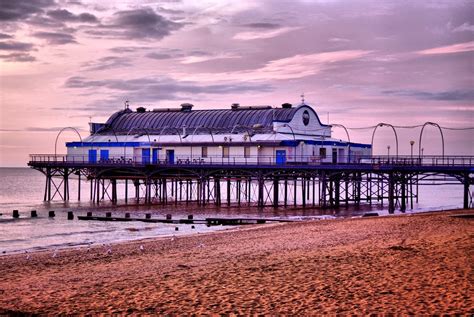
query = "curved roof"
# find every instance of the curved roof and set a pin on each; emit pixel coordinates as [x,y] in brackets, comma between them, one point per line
[218,121]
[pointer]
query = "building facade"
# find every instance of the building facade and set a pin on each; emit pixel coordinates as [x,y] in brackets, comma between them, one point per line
[239,135]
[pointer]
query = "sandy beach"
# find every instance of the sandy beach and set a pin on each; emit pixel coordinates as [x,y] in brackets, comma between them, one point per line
[408,264]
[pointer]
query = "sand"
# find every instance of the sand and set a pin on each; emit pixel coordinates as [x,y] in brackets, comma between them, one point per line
[409,264]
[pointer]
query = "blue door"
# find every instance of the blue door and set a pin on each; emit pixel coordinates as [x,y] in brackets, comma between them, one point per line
[146,156]
[155,156]
[280,157]
[104,155]
[92,156]
[170,156]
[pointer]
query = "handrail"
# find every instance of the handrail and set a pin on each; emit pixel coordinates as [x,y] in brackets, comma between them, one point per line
[381,160]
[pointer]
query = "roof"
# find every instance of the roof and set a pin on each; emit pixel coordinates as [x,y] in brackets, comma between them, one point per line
[172,121]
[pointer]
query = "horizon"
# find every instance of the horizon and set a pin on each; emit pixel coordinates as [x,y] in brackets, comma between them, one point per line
[359,63]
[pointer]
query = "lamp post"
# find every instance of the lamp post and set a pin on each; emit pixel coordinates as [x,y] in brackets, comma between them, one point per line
[388,151]
[411,150]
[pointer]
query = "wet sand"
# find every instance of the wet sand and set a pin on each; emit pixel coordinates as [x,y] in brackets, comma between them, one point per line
[409,264]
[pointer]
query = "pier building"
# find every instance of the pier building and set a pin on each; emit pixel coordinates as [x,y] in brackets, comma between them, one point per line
[239,134]
[253,156]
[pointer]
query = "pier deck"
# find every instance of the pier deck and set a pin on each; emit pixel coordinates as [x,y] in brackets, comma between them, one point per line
[394,180]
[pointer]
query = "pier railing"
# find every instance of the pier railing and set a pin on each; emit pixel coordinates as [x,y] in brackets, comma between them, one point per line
[400,160]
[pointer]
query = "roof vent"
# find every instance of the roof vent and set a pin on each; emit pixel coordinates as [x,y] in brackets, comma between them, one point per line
[286,105]
[235,106]
[141,109]
[186,107]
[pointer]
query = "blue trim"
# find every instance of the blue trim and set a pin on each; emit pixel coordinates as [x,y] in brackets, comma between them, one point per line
[107,144]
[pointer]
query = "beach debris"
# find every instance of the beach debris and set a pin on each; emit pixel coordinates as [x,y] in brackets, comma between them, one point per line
[109,251]
[201,245]
[28,257]
[173,238]
[193,227]
[16,214]
[141,248]
[176,228]
[55,253]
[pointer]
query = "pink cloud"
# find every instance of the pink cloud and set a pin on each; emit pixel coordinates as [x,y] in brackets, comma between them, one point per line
[257,35]
[449,49]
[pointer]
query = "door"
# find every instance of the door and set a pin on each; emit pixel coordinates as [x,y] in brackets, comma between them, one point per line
[340,155]
[170,156]
[280,157]
[146,156]
[334,156]
[155,156]
[104,155]
[92,156]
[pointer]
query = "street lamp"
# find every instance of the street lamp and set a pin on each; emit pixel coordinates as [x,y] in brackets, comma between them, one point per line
[411,150]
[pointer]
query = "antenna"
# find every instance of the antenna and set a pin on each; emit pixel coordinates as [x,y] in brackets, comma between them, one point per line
[302,98]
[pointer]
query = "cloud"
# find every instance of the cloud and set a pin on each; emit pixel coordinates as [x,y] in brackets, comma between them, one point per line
[451,95]
[17,57]
[11,10]
[129,49]
[157,89]
[55,38]
[257,35]
[297,66]
[108,62]
[5,36]
[155,55]
[137,24]
[449,49]
[66,16]
[262,25]
[338,40]
[15,46]
[464,27]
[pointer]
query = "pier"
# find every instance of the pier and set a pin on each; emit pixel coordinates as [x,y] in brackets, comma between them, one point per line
[390,181]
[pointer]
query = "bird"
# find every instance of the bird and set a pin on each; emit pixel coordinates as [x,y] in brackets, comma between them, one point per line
[142,248]
[109,250]
[27,255]
[55,253]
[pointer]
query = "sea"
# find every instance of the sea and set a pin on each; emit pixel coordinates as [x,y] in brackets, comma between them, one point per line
[22,189]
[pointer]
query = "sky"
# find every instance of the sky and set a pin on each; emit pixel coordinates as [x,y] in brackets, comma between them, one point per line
[358,63]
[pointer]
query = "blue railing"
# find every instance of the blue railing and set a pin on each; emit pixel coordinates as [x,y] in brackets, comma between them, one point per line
[407,160]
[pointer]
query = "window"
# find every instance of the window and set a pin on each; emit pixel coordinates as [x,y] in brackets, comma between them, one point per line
[225,151]
[204,151]
[246,151]
[322,152]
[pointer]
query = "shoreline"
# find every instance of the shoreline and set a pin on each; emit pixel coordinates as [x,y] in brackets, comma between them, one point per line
[79,245]
[402,264]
